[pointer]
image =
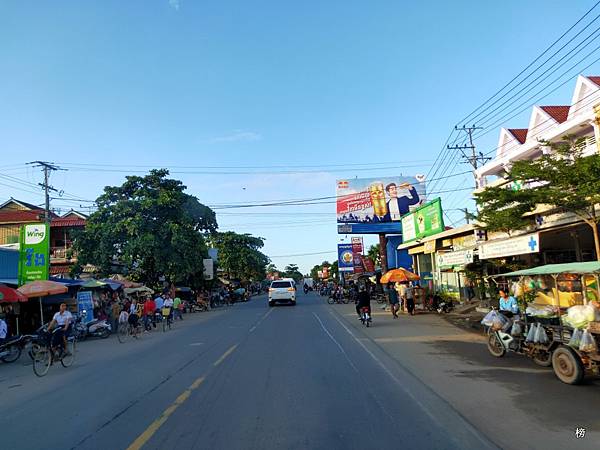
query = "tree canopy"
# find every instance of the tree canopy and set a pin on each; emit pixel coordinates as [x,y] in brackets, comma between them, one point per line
[151,228]
[562,180]
[240,256]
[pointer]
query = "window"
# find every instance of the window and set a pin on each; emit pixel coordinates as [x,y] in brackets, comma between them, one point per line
[281,284]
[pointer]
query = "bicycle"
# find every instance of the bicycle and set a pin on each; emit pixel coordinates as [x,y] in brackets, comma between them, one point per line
[127,330]
[44,355]
[166,319]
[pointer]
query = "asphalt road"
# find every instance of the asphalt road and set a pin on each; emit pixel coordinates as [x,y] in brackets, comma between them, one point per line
[244,377]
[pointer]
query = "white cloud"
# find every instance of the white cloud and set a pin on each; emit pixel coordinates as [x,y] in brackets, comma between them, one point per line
[236,136]
[174,4]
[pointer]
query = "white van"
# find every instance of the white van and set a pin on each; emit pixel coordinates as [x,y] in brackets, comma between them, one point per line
[282,291]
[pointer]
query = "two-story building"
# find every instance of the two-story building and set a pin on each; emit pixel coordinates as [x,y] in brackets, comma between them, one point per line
[555,237]
[15,213]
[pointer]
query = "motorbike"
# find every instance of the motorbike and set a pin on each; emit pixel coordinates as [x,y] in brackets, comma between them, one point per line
[12,348]
[445,306]
[365,316]
[501,341]
[95,328]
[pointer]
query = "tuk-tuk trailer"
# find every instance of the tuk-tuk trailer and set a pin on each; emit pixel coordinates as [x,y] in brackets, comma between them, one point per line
[562,286]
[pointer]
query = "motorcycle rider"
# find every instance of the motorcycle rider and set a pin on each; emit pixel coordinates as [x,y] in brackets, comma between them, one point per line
[508,304]
[3,329]
[364,300]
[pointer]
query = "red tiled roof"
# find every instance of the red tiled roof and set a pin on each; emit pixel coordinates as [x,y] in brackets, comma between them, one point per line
[559,113]
[22,216]
[595,80]
[54,270]
[67,222]
[520,134]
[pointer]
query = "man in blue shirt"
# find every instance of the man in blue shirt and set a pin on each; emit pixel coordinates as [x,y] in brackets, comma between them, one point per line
[159,302]
[508,303]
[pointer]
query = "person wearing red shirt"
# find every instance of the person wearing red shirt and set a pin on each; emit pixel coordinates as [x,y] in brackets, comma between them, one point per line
[149,308]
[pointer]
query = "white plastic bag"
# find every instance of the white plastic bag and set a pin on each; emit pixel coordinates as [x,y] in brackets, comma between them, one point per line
[575,338]
[588,343]
[516,329]
[541,337]
[489,318]
[499,322]
[531,333]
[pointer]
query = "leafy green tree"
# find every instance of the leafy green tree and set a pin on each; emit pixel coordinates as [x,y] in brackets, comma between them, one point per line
[375,254]
[149,226]
[291,271]
[562,180]
[240,256]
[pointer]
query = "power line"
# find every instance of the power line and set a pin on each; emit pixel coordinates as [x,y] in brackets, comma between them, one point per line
[470,115]
[304,254]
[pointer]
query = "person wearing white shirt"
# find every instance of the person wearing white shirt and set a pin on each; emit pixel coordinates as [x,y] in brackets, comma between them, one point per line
[61,321]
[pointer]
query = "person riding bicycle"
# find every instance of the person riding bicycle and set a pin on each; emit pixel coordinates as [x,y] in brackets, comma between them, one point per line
[364,301]
[61,324]
[134,314]
[168,303]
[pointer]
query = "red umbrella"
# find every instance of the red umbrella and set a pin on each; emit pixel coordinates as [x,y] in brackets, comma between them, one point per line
[10,295]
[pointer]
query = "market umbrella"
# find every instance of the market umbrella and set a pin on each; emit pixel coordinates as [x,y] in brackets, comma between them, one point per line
[42,288]
[399,275]
[10,295]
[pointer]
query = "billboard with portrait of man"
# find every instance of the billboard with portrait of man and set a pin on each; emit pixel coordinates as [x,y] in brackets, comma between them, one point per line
[376,205]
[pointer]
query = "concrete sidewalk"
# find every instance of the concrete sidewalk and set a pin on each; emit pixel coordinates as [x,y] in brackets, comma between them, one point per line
[514,402]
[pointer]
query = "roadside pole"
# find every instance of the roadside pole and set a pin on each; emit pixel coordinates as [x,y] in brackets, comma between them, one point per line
[383,252]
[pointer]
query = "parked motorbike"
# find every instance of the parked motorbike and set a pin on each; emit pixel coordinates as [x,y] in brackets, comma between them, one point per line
[365,316]
[445,306]
[96,328]
[11,350]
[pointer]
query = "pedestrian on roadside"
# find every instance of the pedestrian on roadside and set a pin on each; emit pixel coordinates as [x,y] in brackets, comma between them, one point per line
[115,311]
[394,300]
[409,294]
[177,307]
[149,310]
[159,302]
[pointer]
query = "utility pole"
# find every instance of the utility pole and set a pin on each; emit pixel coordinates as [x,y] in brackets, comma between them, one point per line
[475,158]
[46,168]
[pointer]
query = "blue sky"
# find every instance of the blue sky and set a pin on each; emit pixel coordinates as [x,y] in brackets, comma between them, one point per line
[310,87]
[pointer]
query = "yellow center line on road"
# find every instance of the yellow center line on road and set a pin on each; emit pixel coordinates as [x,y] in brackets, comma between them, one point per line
[225,355]
[154,426]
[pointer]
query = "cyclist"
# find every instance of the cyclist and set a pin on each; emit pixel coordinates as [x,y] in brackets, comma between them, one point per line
[61,322]
[168,304]
[364,300]
[134,316]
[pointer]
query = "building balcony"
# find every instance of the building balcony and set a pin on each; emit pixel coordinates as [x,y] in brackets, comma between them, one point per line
[62,254]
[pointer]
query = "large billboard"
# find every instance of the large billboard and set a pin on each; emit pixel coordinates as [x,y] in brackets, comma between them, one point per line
[376,205]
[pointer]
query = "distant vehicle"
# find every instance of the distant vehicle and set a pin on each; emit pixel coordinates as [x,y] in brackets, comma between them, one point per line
[282,291]
[308,282]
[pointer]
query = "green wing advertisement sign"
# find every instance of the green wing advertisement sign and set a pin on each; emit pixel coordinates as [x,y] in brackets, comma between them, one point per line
[422,222]
[34,249]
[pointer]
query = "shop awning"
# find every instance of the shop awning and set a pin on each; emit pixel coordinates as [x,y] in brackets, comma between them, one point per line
[579,268]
